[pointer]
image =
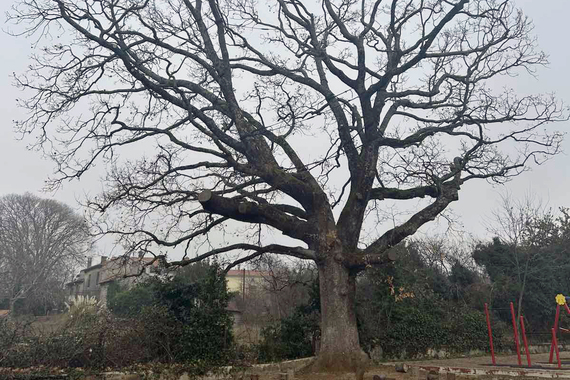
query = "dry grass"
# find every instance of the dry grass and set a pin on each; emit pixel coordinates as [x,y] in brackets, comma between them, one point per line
[44,324]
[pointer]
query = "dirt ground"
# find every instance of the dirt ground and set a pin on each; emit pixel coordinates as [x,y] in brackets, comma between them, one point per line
[387,370]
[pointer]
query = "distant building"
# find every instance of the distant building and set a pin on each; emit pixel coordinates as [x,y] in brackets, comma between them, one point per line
[244,281]
[94,280]
[117,270]
[92,276]
[86,283]
[248,287]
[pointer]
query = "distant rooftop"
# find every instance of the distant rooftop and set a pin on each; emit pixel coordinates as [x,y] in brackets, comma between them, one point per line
[249,273]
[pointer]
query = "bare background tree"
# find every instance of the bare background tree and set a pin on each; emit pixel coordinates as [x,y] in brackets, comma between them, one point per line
[302,117]
[281,288]
[286,284]
[518,224]
[42,242]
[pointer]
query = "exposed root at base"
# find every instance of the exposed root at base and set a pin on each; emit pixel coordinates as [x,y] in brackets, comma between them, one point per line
[356,362]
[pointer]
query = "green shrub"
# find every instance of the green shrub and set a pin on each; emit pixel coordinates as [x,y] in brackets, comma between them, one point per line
[10,336]
[415,333]
[468,331]
[289,338]
[185,318]
[73,345]
[294,336]
[124,302]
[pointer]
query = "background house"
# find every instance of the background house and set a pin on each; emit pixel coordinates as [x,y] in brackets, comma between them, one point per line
[246,286]
[94,281]
[116,271]
[244,281]
[92,276]
[86,282]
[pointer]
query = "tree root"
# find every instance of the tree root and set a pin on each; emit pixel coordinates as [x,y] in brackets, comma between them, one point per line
[356,362]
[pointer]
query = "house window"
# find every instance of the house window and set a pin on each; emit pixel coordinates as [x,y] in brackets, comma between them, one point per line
[97,281]
[88,281]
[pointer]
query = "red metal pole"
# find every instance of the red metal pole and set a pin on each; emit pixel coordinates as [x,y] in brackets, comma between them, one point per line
[555,329]
[567,309]
[556,348]
[516,331]
[490,334]
[523,330]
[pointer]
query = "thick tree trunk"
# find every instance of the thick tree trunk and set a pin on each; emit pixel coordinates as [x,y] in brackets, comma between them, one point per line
[340,349]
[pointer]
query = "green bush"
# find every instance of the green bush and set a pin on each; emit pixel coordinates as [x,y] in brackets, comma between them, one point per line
[468,331]
[415,333]
[74,345]
[289,338]
[294,336]
[416,330]
[10,336]
[125,302]
[186,317]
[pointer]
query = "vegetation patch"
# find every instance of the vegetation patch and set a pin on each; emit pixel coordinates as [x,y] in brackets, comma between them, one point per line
[176,321]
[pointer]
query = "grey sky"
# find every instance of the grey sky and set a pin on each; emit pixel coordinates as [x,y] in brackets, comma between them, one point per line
[24,170]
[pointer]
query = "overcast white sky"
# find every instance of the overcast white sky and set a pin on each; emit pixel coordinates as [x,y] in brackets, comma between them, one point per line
[25,171]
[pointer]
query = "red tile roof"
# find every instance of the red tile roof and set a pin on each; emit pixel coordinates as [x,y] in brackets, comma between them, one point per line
[248,273]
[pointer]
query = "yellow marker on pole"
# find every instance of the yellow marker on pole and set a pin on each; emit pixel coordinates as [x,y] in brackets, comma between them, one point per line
[560,299]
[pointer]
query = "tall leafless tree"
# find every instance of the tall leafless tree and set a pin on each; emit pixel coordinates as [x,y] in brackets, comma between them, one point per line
[406,96]
[41,242]
[284,287]
[516,223]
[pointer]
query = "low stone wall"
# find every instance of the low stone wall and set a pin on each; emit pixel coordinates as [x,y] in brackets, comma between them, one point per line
[287,366]
[226,373]
[442,353]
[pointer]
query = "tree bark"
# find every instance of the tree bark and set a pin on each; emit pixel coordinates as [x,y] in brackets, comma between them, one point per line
[340,349]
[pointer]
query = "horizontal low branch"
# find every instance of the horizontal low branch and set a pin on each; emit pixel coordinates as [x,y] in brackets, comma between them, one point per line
[298,252]
[251,212]
[393,193]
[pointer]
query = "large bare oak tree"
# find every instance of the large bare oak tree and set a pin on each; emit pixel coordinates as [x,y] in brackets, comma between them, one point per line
[407,98]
